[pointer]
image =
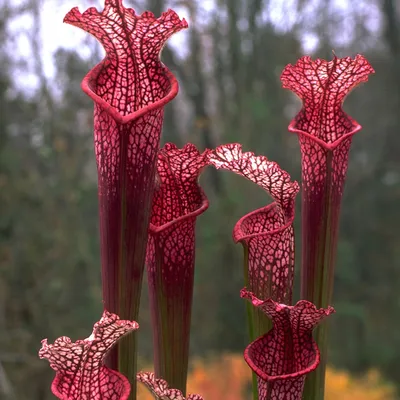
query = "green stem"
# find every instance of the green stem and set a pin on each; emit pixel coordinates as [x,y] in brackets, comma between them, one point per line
[124,220]
[127,360]
[171,293]
[320,233]
[172,325]
[126,348]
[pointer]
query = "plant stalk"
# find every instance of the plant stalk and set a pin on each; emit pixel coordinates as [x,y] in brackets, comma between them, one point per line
[320,228]
[124,205]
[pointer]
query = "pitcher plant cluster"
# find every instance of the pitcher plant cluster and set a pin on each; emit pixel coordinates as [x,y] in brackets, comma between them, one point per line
[149,200]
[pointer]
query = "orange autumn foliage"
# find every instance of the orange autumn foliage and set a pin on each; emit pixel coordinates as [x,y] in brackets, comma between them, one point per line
[229,378]
[340,385]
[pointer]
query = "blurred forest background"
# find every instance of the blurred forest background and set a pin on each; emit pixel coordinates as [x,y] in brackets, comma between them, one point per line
[228,66]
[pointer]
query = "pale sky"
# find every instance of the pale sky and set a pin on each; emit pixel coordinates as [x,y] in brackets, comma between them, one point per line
[54,33]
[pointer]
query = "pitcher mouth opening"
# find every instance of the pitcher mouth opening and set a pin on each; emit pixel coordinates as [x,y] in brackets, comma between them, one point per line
[273,378]
[87,87]
[327,146]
